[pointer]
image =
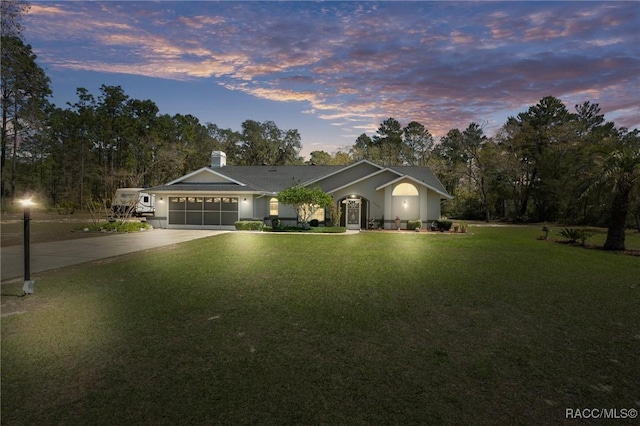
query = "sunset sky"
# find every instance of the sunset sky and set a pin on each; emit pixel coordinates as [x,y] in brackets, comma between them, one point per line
[335,70]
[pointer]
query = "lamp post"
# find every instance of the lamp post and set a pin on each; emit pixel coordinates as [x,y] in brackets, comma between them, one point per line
[29,285]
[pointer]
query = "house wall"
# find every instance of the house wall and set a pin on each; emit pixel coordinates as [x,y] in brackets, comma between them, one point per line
[286,211]
[409,211]
[245,206]
[433,206]
[425,207]
[159,219]
[261,207]
[366,189]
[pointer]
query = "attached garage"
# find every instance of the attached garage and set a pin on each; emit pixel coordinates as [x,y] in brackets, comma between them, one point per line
[198,211]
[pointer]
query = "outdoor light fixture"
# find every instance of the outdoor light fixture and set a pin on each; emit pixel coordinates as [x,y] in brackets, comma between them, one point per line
[29,285]
[404,203]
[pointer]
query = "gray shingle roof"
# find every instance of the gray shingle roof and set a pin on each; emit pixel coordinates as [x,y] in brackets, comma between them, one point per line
[423,174]
[205,186]
[276,178]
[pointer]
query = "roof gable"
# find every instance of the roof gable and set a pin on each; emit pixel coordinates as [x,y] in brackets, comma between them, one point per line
[421,175]
[382,175]
[345,175]
[205,175]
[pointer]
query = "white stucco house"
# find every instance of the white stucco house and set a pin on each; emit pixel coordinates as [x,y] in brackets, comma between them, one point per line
[216,196]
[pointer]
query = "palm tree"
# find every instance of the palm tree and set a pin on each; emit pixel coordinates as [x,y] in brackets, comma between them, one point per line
[622,169]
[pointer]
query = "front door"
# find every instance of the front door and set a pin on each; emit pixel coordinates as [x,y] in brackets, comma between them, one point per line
[353,213]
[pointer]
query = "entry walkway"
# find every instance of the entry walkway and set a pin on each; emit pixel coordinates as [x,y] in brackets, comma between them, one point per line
[53,255]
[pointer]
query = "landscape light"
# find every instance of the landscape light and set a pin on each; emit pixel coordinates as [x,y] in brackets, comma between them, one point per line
[29,285]
[27,202]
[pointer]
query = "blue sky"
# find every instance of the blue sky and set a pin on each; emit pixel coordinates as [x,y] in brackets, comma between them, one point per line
[335,70]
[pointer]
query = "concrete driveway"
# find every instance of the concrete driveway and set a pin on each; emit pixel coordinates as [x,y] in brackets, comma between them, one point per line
[53,255]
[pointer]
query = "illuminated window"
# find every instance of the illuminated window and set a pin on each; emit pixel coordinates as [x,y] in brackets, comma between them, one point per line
[405,189]
[273,207]
[318,214]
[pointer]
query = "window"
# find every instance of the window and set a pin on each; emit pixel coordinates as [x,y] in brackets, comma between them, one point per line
[273,207]
[318,214]
[405,189]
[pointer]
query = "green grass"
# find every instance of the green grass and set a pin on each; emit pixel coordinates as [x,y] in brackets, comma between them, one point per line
[311,230]
[493,327]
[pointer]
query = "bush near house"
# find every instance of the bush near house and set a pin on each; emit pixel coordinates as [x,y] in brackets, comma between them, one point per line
[119,226]
[311,230]
[249,225]
[414,224]
[444,225]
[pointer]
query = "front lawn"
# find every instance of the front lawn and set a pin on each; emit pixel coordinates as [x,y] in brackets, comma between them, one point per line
[492,327]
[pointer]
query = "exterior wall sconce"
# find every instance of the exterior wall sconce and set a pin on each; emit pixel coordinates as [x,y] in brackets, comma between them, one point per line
[404,203]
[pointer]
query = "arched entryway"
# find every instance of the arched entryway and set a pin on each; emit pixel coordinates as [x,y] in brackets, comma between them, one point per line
[355,212]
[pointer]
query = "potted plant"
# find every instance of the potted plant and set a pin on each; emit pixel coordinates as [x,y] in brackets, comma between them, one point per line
[398,223]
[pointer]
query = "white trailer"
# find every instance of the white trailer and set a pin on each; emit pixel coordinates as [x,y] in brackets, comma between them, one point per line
[133,201]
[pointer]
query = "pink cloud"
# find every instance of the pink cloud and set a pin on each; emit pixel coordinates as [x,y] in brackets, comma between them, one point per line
[359,63]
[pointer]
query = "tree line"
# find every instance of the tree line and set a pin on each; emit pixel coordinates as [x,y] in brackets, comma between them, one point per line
[545,164]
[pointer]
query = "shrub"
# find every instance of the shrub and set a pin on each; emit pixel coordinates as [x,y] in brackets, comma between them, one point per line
[444,225]
[573,235]
[120,227]
[318,230]
[336,213]
[66,208]
[249,225]
[414,224]
[314,223]
[329,230]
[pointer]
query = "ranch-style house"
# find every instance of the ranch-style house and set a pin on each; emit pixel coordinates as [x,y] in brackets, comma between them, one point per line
[216,196]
